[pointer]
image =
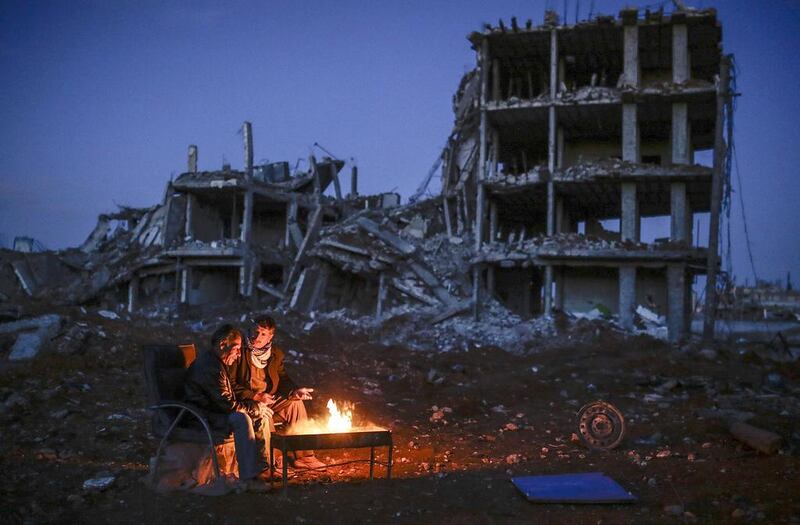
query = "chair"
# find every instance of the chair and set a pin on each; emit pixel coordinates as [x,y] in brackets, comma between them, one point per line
[165,373]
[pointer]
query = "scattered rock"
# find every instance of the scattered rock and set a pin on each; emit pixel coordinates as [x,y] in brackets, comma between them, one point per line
[434,377]
[73,341]
[108,314]
[98,484]
[28,344]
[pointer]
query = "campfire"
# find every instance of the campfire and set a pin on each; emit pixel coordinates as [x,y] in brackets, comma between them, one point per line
[336,431]
[339,420]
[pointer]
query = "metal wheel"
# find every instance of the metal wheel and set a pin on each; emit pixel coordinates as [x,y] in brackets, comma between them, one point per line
[601,425]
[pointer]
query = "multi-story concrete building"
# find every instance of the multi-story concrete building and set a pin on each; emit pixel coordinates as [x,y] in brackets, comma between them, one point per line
[564,132]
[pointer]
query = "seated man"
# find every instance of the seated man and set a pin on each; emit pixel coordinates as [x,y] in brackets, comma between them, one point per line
[208,387]
[260,376]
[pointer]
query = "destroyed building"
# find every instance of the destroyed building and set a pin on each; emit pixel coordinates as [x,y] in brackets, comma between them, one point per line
[222,235]
[566,139]
[560,128]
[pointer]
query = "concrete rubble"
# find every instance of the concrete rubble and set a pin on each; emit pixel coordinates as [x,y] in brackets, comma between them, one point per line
[520,232]
[33,333]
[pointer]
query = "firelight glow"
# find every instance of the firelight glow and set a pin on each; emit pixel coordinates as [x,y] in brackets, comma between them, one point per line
[339,421]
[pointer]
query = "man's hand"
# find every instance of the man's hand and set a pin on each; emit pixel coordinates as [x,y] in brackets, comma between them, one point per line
[265,410]
[303,394]
[263,397]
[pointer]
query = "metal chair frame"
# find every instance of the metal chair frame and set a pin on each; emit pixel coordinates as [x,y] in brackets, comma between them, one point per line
[196,413]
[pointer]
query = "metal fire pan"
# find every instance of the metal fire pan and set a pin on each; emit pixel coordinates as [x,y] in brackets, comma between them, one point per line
[356,439]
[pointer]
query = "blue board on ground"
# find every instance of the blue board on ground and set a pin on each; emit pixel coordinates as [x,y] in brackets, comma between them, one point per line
[587,487]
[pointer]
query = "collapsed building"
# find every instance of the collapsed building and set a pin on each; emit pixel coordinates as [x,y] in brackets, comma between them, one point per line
[560,133]
[222,235]
[563,128]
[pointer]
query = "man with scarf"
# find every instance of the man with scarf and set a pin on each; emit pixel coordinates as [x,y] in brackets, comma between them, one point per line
[259,375]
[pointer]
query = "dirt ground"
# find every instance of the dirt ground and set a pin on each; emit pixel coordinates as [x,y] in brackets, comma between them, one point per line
[494,415]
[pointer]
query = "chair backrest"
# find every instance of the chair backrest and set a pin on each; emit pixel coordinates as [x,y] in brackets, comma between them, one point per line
[165,372]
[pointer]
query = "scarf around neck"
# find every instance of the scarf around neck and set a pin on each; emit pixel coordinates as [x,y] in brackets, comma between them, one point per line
[260,356]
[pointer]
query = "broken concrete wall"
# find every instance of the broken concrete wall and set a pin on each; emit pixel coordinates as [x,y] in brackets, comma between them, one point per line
[175,221]
[156,290]
[207,221]
[269,225]
[587,288]
[651,289]
[520,290]
[352,292]
[213,285]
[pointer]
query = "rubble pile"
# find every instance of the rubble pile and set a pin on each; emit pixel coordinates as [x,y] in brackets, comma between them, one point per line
[520,249]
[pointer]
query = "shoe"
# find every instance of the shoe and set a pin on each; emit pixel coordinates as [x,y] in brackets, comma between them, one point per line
[309,462]
[276,475]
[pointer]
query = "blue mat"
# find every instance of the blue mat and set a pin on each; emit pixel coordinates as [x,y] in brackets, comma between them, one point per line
[589,487]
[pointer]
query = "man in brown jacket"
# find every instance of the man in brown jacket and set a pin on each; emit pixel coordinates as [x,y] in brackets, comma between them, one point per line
[260,376]
[209,388]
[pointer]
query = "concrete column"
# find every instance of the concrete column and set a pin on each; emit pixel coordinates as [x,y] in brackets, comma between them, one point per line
[247,217]
[446,210]
[235,218]
[480,204]
[560,281]
[551,165]
[495,150]
[476,279]
[681,66]
[677,314]
[186,276]
[630,134]
[482,146]
[496,95]
[629,224]
[381,294]
[631,69]
[247,133]
[245,272]
[560,147]
[354,181]
[133,293]
[291,220]
[679,209]
[492,221]
[681,134]
[627,295]
[188,230]
[192,159]
[712,263]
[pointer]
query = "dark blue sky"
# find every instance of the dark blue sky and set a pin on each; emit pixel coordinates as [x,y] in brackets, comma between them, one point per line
[100,99]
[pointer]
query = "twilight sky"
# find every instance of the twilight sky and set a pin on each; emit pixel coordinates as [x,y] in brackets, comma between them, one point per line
[100,99]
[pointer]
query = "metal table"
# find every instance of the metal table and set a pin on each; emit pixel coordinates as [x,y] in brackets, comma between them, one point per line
[354,439]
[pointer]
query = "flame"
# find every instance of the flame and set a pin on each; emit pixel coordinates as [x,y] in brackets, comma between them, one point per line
[339,421]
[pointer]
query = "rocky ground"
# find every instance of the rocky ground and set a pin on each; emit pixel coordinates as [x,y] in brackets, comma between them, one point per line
[464,420]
